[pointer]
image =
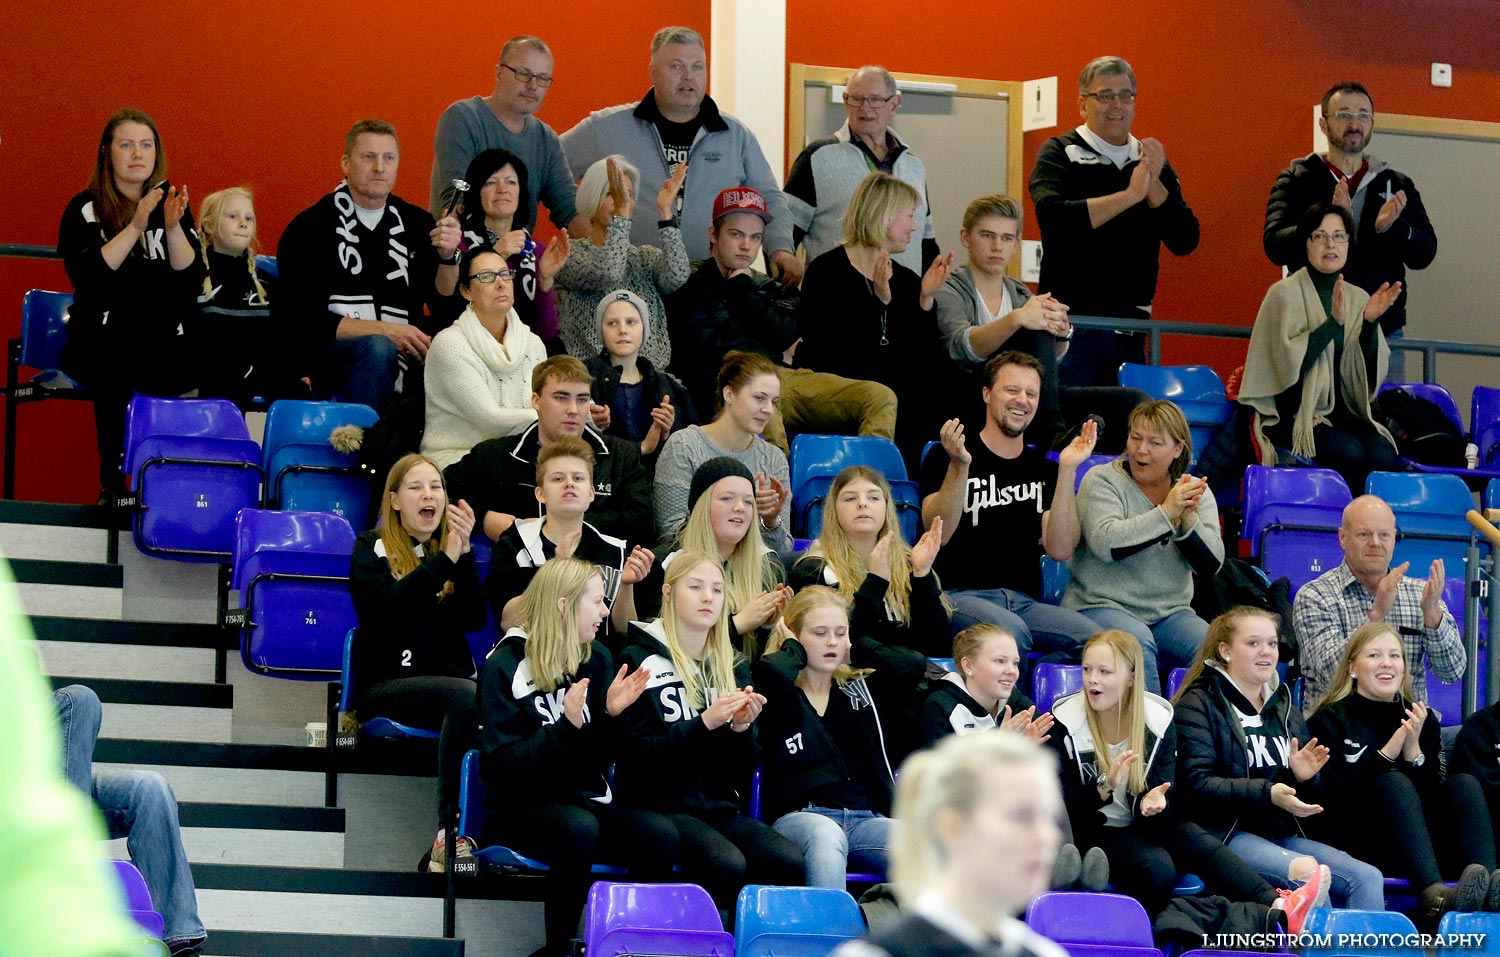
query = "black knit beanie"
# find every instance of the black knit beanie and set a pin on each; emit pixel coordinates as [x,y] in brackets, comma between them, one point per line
[710,472]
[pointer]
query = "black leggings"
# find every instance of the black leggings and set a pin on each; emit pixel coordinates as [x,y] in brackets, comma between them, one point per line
[734,851]
[1481,820]
[432,703]
[1354,450]
[1146,857]
[571,839]
[1418,836]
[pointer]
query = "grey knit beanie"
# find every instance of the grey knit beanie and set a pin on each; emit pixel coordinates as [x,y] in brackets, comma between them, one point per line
[623,295]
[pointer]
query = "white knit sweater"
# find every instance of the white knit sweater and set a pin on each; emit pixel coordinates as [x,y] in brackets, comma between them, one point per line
[477,388]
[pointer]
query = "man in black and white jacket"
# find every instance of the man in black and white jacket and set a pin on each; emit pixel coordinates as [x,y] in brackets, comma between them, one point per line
[1106,203]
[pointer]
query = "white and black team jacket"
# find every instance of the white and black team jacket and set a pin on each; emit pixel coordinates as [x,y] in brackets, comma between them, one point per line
[948,709]
[1077,753]
[531,753]
[669,760]
[522,549]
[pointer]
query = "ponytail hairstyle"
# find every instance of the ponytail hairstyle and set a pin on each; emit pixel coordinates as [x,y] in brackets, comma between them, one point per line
[208,227]
[114,209]
[737,371]
[1220,633]
[548,613]
[951,777]
[1343,685]
[716,669]
[751,569]
[399,551]
[804,603]
[1127,652]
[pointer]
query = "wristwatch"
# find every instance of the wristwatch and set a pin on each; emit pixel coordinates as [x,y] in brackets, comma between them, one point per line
[1102,783]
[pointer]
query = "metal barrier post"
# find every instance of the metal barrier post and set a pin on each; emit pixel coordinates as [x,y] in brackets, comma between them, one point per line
[1471,628]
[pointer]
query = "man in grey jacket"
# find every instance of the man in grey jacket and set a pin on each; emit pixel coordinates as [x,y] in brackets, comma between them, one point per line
[677,122]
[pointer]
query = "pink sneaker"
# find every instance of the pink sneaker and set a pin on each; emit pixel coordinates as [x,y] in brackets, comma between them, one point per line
[1299,903]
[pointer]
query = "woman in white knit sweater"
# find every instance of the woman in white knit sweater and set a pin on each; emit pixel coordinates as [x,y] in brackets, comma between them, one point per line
[479,369]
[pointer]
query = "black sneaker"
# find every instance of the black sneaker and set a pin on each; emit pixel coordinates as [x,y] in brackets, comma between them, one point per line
[1067,868]
[1473,889]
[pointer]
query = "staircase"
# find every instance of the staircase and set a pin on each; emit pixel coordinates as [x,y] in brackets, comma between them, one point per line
[294,850]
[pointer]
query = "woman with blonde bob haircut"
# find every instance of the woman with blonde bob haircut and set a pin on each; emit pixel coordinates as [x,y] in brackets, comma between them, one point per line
[1388,780]
[977,839]
[865,316]
[1117,744]
[826,685]
[416,596]
[690,744]
[1120,577]
[551,730]
[862,553]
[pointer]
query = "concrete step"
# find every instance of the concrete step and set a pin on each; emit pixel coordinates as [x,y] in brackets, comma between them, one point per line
[233,845]
[251,943]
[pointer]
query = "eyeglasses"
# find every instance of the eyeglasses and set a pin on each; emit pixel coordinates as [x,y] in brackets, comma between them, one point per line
[1349,116]
[542,80]
[490,275]
[863,101]
[1321,238]
[1111,97]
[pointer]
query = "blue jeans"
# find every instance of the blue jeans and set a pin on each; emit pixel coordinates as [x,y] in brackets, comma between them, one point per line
[1034,623]
[136,805]
[1359,885]
[1170,643]
[835,841]
[360,369]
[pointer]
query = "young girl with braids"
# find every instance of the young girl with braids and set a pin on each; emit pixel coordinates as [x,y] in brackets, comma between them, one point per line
[550,699]
[861,553]
[235,305]
[416,595]
[690,742]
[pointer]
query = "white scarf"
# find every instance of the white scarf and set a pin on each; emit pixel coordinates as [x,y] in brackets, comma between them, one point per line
[501,357]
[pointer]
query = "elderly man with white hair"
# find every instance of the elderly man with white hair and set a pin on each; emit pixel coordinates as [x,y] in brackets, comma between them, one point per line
[677,122]
[825,173]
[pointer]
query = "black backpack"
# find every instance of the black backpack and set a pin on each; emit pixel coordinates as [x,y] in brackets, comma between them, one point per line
[1421,430]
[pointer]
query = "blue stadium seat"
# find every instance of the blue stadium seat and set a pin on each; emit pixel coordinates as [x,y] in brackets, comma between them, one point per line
[472,815]
[808,508]
[1055,578]
[1326,920]
[1051,681]
[1197,390]
[824,457]
[374,727]
[44,326]
[291,570]
[192,466]
[1430,520]
[794,921]
[267,265]
[482,641]
[1443,399]
[1174,681]
[1291,520]
[137,898]
[1486,925]
[676,919]
[303,471]
[1484,419]
[947,664]
[1093,925]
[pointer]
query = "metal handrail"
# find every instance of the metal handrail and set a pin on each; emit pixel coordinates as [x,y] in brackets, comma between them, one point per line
[1154,329]
[28,251]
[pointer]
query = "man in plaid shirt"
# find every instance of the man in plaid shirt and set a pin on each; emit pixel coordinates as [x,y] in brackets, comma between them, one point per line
[1365,588]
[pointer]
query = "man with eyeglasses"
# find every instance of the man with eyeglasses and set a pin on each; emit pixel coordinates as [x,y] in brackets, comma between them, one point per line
[1392,231]
[825,173]
[504,120]
[1106,203]
[678,122]
[1365,588]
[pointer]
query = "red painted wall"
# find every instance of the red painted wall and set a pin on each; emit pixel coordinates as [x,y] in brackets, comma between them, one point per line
[258,93]
[263,92]
[1227,87]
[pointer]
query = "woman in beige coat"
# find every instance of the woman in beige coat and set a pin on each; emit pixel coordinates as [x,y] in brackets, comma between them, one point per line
[1316,358]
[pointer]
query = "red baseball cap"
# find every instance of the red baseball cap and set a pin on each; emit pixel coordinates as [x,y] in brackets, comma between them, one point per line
[740,199]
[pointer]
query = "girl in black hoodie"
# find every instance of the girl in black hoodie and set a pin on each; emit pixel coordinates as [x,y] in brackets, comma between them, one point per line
[1116,744]
[1385,774]
[416,596]
[1249,768]
[550,701]
[690,744]
[826,776]
[981,693]
[860,551]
